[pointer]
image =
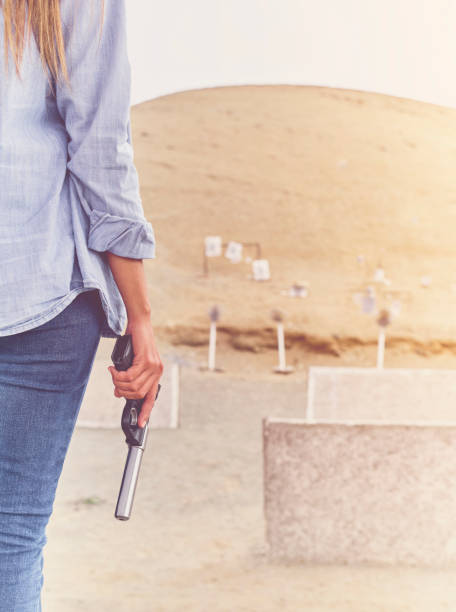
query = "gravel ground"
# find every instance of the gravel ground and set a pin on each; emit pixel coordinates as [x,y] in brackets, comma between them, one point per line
[196,538]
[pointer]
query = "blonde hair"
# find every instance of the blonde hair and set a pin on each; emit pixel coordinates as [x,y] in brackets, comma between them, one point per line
[44,20]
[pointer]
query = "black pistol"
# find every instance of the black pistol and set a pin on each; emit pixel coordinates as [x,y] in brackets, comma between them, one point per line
[135,436]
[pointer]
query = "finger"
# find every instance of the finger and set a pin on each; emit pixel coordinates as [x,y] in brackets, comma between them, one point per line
[141,385]
[140,393]
[147,406]
[142,381]
[127,375]
[135,384]
[128,394]
[132,394]
[132,386]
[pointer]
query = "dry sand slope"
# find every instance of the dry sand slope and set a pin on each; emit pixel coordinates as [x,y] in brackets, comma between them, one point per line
[317,176]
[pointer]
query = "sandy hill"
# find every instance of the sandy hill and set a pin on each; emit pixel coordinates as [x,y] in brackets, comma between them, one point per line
[318,176]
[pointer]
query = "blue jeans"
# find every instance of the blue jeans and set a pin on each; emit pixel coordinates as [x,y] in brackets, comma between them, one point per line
[43,376]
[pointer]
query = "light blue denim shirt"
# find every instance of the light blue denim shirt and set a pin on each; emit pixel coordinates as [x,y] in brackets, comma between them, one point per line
[69,189]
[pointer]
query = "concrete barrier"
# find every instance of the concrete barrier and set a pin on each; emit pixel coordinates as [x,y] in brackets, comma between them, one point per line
[101,409]
[369,492]
[390,394]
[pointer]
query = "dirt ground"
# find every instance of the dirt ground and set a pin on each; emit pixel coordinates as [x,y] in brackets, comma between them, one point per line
[196,537]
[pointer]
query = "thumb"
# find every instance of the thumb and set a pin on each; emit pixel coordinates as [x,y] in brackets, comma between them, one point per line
[147,406]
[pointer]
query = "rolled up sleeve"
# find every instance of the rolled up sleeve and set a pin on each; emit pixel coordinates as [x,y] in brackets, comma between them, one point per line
[95,108]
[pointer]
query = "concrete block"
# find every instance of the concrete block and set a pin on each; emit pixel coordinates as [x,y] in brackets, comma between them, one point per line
[355,493]
[390,394]
[101,409]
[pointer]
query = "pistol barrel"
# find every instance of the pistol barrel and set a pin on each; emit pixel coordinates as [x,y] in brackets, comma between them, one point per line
[129,480]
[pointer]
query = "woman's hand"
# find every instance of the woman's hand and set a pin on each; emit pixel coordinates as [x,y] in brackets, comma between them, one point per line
[142,377]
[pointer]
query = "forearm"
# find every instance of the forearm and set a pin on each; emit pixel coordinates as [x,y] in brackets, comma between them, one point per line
[130,278]
[141,378]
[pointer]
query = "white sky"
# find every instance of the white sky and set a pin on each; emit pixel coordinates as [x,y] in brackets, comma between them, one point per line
[405,48]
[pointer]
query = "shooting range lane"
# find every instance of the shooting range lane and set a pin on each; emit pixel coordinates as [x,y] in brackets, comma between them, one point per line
[196,540]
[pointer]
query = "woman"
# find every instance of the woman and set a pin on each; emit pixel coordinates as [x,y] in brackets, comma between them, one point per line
[72,239]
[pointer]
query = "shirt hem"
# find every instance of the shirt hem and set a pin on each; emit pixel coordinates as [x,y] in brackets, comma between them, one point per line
[63,303]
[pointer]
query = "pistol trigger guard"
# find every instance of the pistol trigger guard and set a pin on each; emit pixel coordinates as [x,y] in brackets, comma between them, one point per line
[134,435]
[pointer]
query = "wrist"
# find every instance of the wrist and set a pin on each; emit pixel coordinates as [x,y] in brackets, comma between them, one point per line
[139,313]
